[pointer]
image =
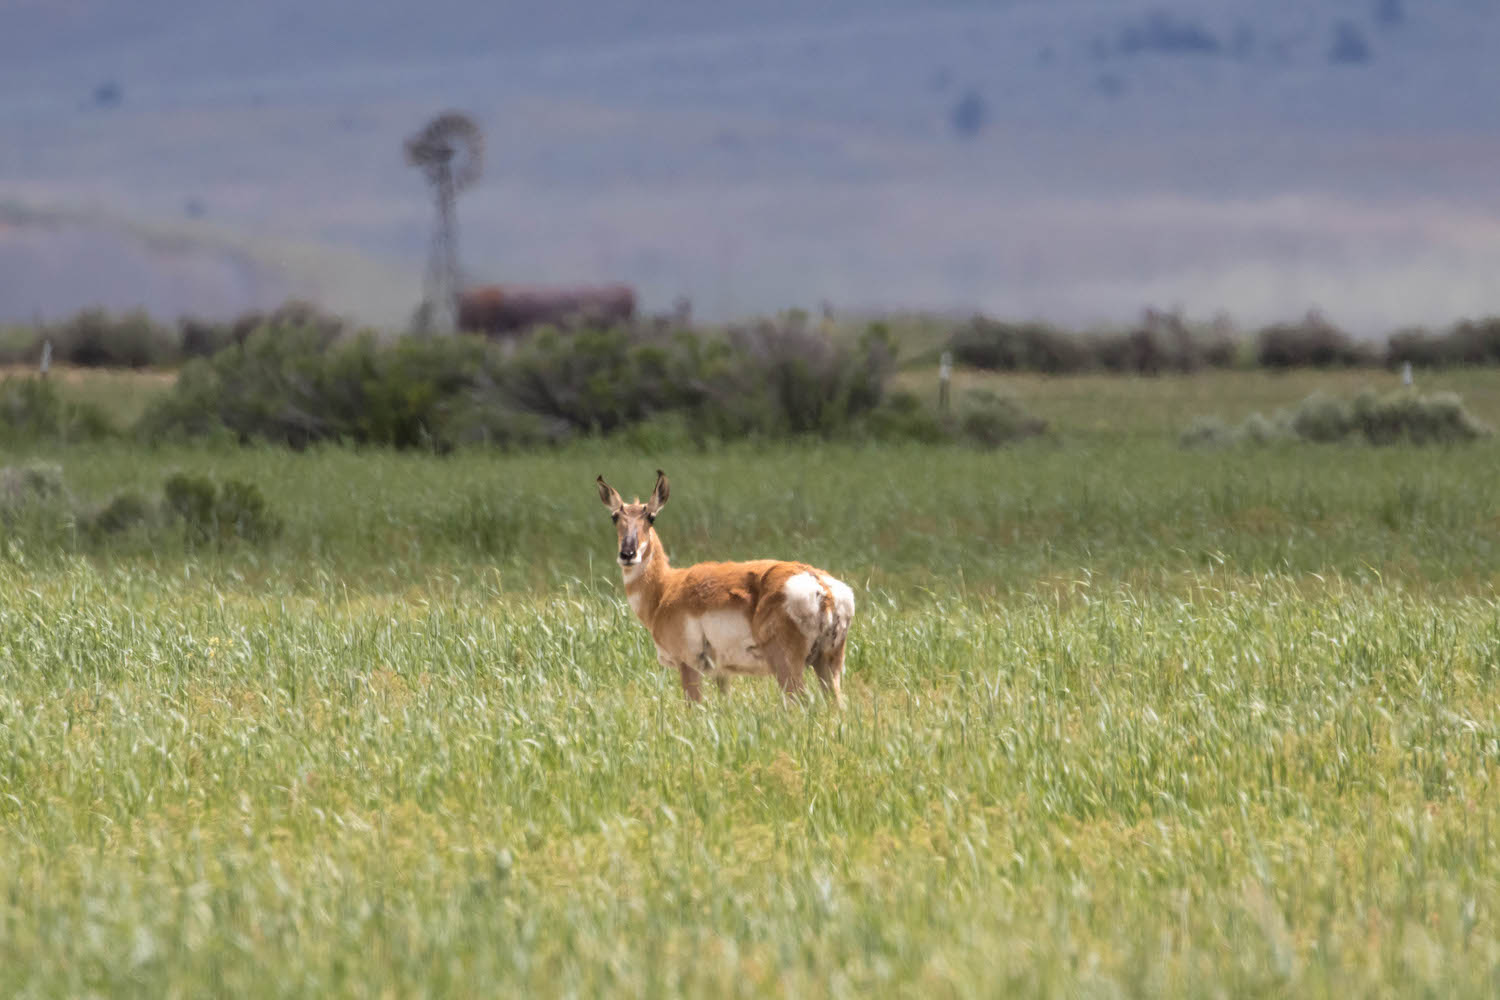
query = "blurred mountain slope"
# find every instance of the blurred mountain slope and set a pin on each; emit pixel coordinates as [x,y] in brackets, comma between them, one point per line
[1076,158]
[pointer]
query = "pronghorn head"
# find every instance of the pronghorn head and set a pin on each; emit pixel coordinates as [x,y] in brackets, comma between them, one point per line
[633,520]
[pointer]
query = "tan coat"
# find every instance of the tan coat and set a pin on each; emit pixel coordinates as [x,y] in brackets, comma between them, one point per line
[731,618]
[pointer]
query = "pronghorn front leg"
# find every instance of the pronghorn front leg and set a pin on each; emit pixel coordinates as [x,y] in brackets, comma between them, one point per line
[692,681]
[692,687]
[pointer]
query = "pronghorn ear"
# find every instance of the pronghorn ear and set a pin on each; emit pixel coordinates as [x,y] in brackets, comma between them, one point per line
[608,495]
[660,494]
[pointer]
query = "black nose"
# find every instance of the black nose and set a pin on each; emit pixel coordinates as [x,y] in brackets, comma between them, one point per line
[627,552]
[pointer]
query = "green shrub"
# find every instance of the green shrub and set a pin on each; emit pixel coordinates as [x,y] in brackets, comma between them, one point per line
[904,417]
[1322,418]
[1469,343]
[293,385]
[996,346]
[200,338]
[1401,416]
[34,503]
[1162,343]
[242,513]
[1417,347]
[94,338]
[398,395]
[124,512]
[807,383]
[191,501]
[296,385]
[36,506]
[1208,432]
[1138,351]
[1258,429]
[35,482]
[1222,351]
[600,380]
[269,388]
[1475,342]
[192,409]
[1312,343]
[766,379]
[213,513]
[990,420]
[273,387]
[32,409]
[1408,416]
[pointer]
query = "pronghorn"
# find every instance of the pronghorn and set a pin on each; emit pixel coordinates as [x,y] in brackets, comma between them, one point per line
[761,617]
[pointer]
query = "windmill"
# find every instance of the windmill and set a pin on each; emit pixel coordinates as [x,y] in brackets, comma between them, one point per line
[450,152]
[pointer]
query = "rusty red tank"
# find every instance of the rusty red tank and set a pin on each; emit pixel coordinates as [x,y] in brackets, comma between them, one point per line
[501,310]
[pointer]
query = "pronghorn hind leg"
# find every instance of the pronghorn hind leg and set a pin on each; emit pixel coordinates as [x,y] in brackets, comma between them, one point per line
[788,658]
[707,665]
[829,666]
[784,647]
[789,673]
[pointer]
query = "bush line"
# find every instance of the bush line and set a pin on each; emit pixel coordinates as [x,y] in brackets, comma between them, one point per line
[1161,342]
[298,382]
[1165,343]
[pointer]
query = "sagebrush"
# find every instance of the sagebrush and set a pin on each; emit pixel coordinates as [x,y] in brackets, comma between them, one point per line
[1402,416]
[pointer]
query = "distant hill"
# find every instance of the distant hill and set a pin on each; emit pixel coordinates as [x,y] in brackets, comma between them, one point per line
[1077,159]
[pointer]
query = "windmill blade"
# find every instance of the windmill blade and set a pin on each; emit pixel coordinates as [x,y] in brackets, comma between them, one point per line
[451,141]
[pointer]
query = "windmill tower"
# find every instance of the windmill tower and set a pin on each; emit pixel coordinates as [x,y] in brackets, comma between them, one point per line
[450,152]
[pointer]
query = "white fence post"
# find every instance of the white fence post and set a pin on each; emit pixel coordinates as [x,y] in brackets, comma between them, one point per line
[945,375]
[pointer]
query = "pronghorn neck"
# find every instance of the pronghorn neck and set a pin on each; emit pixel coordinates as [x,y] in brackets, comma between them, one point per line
[645,581]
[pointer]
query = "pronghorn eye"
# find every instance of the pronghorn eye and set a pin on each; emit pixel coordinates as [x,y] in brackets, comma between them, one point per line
[615,517]
[650,518]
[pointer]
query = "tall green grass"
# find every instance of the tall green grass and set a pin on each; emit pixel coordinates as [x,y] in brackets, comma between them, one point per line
[1124,720]
[906,519]
[1259,787]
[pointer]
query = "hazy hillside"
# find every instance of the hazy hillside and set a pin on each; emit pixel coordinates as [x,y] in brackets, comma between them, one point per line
[1077,159]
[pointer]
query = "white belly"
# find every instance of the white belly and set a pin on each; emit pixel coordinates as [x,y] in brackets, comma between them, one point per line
[723,638]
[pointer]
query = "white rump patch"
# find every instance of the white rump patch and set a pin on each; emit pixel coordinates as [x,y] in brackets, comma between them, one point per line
[804,603]
[843,602]
[809,607]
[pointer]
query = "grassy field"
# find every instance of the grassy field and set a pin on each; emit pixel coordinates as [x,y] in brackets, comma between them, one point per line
[1108,407]
[1124,719]
[123,394]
